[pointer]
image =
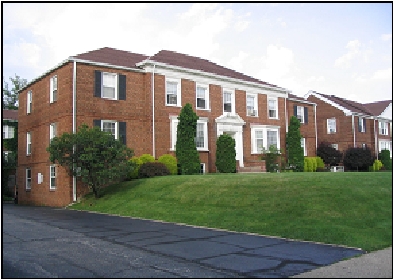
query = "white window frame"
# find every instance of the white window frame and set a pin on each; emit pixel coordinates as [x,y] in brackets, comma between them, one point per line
[383,128]
[8,132]
[233,105]
[334,145]
[52,131]
[300,113]
[203,168]
[29,101]
[303,145]
[274,109]
[116,135]
[385,144]
[28,143]
[28,179]
[206,87]
[362,124]
[252,111]
[6,154]
[52,176]
[331,131]
[173,132]
[178,91]
[264,129]
[116,86]
[53,89]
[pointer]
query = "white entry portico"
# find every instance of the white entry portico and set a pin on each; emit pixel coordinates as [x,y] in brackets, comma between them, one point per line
[232,124]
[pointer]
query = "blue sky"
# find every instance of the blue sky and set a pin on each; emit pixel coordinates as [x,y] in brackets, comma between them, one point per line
[342,49]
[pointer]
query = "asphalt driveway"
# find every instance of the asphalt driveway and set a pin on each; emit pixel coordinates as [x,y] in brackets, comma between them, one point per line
[52,242]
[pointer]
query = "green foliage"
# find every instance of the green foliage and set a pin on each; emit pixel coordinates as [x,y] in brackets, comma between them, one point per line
[10,163]
[98,158]
[271,158]
[225,154]
[358,158]
[186,151]
[384,156]
[329,154]
[295,152]
[310,164]
[320,163]
[377,165]
[170,162]
[152,169]
[145,158]
[136,162]
[10,95]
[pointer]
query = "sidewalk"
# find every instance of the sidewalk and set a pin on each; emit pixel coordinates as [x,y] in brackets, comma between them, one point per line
[376,264]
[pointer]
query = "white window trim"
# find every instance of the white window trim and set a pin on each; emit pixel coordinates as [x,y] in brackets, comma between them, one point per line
[276,107]
[384,128]
[28,187]
[116,126]
[28,143]
[203,165]
[52,131]
[303,145]
[386,142]
[334,145]
[178,92]
[264,129]
[301,110]
[173,132]
[116,85]
[362,124]
[207,101]
[52,187]
[51,99]
[335,126]
[233,105]
[29,101]
[9,132]
[255,110]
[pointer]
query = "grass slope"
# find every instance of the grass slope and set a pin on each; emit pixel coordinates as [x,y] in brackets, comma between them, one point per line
[352,209]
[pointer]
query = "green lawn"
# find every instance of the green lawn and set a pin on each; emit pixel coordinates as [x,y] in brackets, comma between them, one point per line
[352,209]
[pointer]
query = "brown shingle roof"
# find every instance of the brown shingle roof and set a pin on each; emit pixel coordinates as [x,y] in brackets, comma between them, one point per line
[196,63]
[10,114]
[377,108]
[113,56]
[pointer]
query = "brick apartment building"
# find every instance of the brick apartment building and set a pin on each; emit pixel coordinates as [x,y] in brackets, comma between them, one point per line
[344,123]
[9,132]
[138,99]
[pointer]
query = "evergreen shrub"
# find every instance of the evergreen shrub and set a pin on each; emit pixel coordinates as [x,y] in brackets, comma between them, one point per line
[170,162]
[152,169]
[225,154]
[384,156]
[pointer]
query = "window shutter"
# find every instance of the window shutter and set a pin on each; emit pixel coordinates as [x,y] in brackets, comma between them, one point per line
[122,132]
[51,90]
[306,115]
[122,87]
[295,110]
[97,122]
[97,83]
[359,126]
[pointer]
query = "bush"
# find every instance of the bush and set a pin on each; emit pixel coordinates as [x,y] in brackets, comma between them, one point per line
[329,154]
[358,158]
[138,161]
[384,156]
[310,164]
[376,166]
[320,163]
[152,169]
[147,158]
[226,154]
[170,162]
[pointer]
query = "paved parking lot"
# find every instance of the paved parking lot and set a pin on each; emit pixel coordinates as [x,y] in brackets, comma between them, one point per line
[52,242]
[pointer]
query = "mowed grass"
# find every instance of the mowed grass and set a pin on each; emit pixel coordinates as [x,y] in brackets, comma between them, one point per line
[350,208]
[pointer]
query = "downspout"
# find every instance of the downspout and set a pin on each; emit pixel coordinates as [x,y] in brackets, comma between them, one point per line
[153,115]
[286,116]
[74,124]
[375,140]
[315,124]
[353,129]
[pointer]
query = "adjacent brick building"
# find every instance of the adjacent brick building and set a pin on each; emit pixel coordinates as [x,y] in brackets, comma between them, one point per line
[345,123]
[138,99]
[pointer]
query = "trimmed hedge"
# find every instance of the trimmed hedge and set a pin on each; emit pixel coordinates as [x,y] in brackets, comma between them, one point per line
[170,162]
[225,154]
[152,169]
[138,161]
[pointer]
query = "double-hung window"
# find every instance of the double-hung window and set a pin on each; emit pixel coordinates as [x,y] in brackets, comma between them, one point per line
[301,113]
[385,145]
[331,125]
[201,133]
[52,131]
[264,136]
[202,96]
[303,145]
[110,126]
[362,124]
[334,145]
[116,128]
[8,132]
[29,101]
[383,128]
[53,89]
[252,105]
[229,100]
[28,178]
[110,86]
[272,108]
[172,92]
[52,175]
[28,143]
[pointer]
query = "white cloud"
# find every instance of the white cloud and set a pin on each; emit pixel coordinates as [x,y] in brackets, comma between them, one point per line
[345,60]
[383,74]
[386,37]
[237,62]
[241,25]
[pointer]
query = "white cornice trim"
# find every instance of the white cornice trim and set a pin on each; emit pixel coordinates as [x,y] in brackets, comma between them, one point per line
[301,101]
[347,112]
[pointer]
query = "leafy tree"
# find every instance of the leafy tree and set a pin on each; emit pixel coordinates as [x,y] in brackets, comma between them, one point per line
[329,155]
[358,158]
[271,158]
[98,160]
[226,154]
[10,95]
[9,162]
[186,151]
[295,151]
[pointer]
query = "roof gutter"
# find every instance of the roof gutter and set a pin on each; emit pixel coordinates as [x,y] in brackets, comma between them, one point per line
[74,124]
[153,112]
